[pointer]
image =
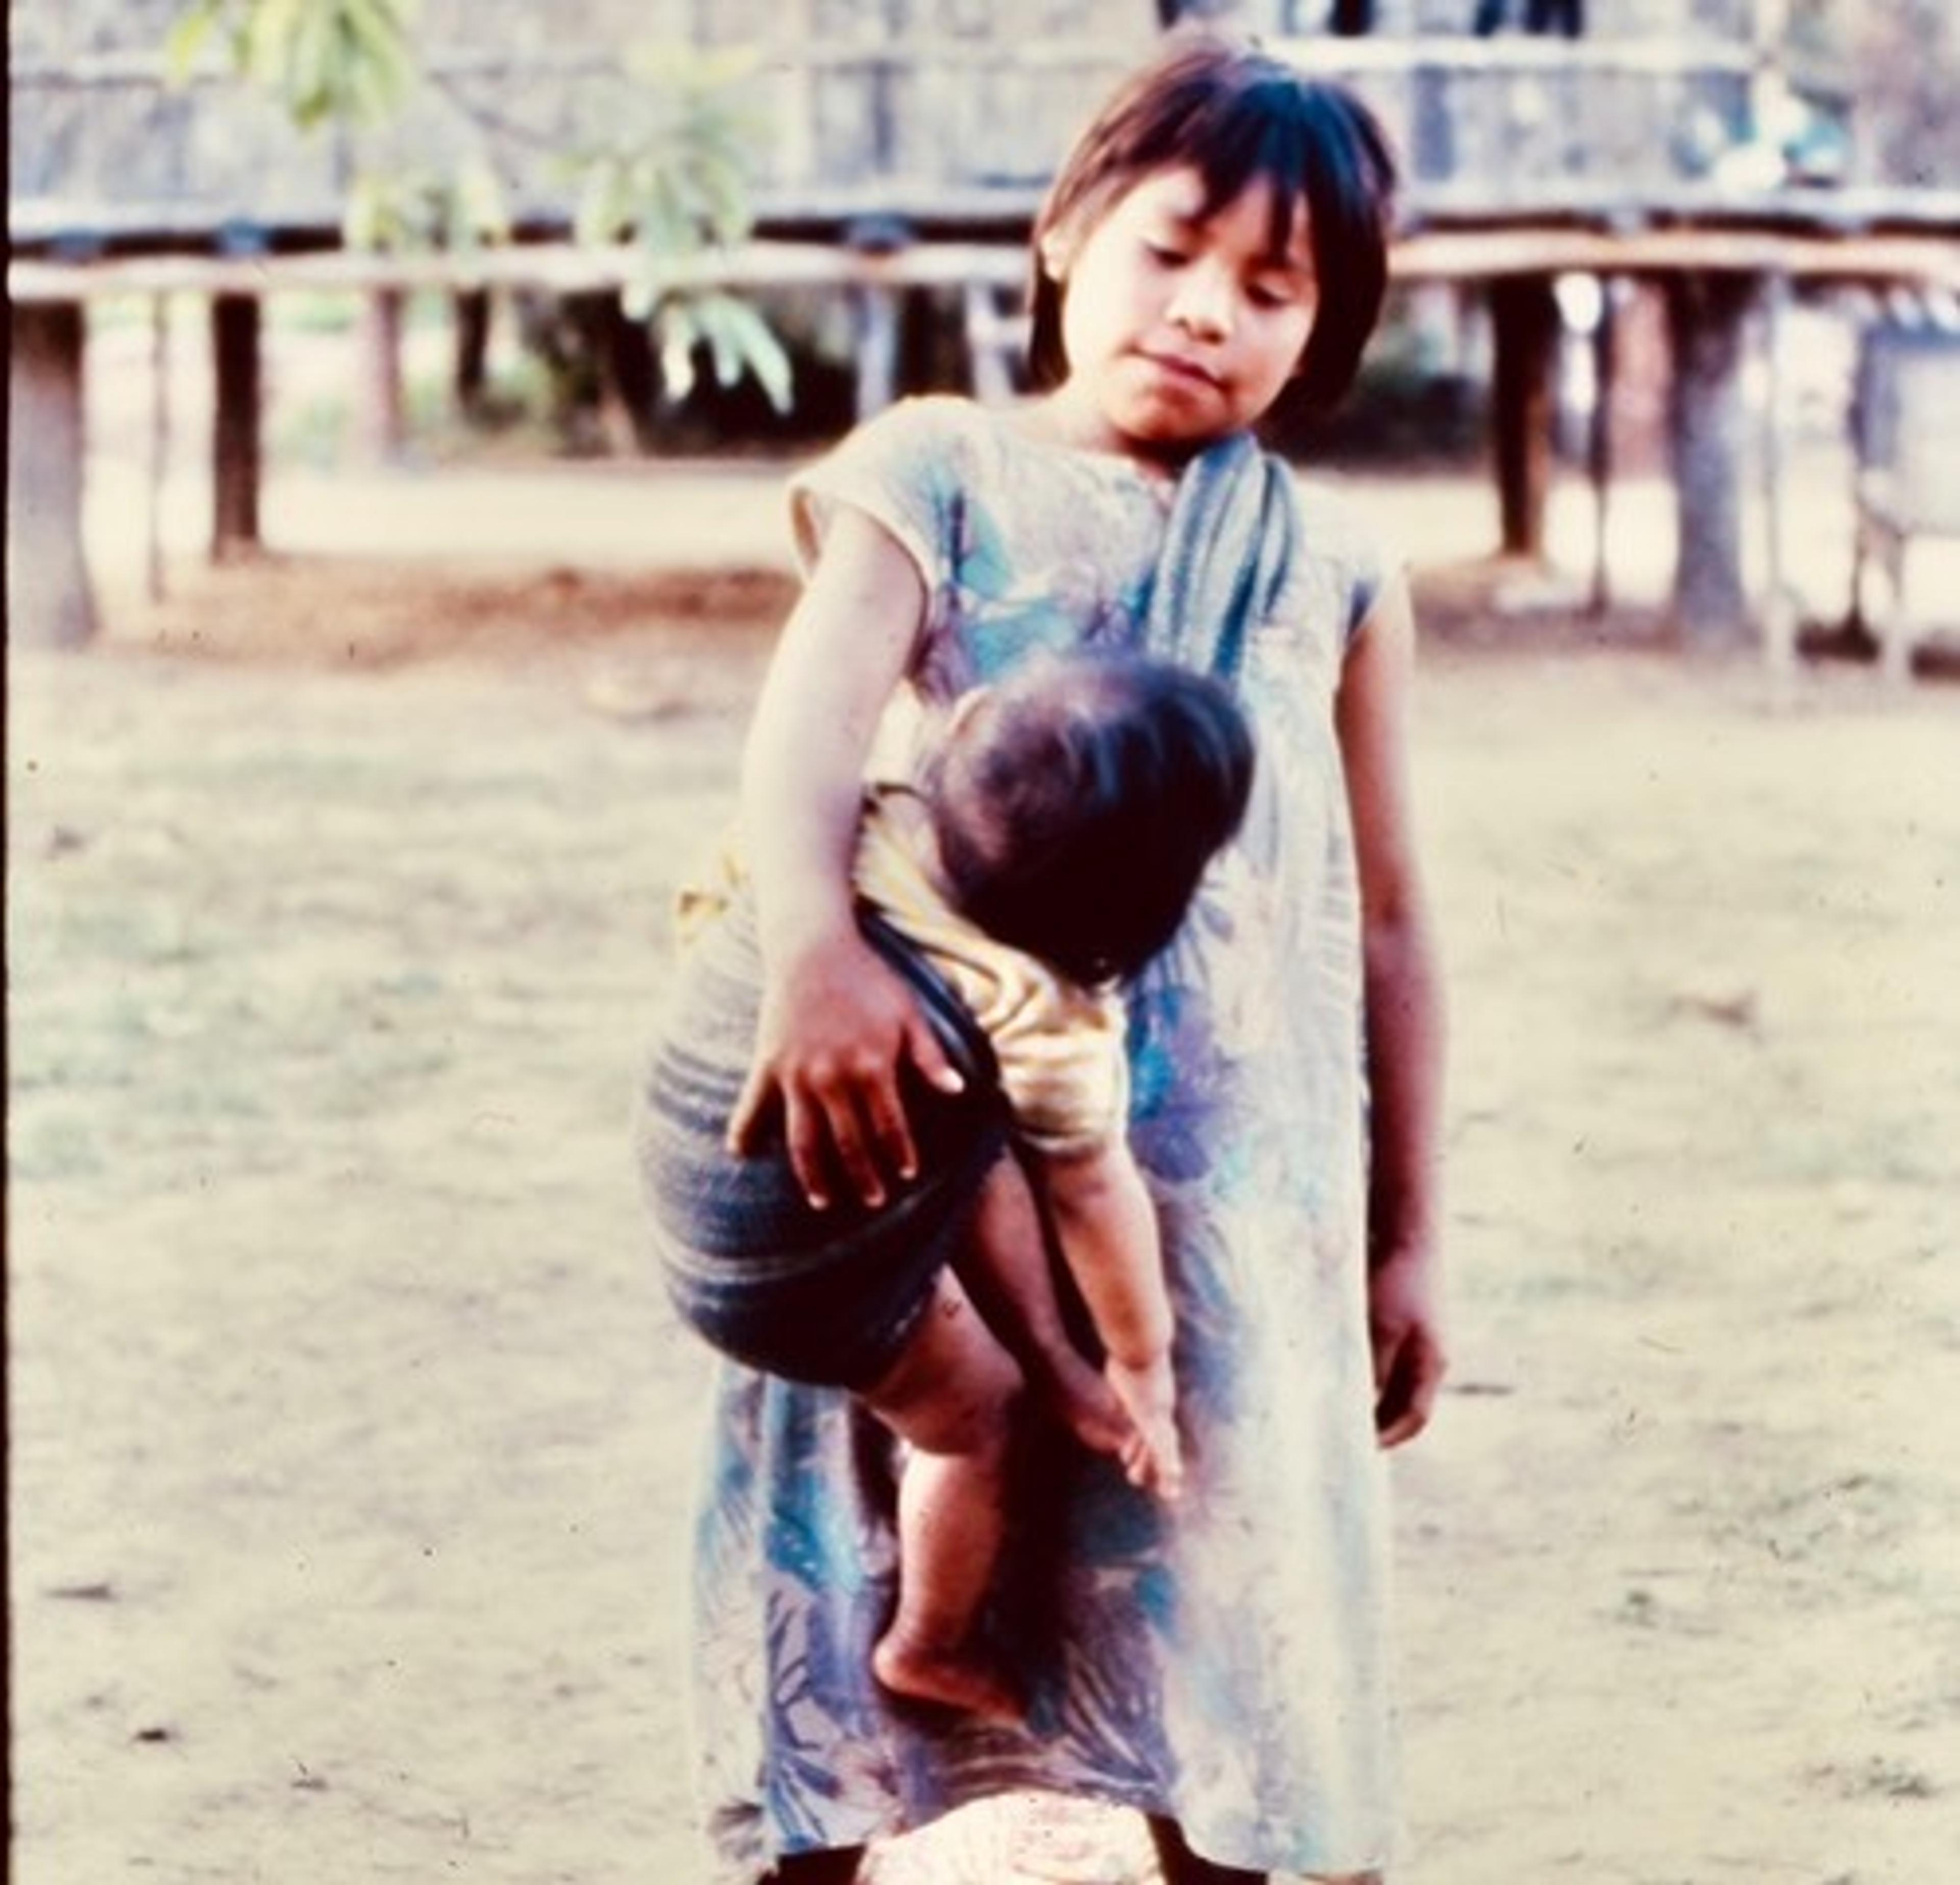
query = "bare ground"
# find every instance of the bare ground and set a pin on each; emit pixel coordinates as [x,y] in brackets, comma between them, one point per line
[350,1449]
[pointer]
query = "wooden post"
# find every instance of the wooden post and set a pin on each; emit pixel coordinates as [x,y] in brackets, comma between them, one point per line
[384,423]
[1779,605]
[631,378]
[1524,319]
[160,445]
[470,309]
[50,603]
[1599,439]
[1708,314]
[877,349]
[235,429]
[880,314]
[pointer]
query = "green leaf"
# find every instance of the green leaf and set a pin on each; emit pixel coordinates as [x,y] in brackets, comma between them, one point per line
[726,207]
[640,295]
[601,209]
[480,213]
[677,334]
[376,52]
[304,60]
[187,36]
[364,221]
[741,341]
[265,40]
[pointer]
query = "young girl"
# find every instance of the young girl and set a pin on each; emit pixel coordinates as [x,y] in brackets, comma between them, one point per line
[1215,243]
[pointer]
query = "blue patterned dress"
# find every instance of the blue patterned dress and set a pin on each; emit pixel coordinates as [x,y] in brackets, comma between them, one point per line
[1224,1662]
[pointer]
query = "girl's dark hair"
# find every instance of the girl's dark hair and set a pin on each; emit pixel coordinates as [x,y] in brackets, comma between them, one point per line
[1236,115]
[1077,806]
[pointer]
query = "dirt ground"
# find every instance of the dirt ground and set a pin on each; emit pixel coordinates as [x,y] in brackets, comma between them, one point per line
[351,1448]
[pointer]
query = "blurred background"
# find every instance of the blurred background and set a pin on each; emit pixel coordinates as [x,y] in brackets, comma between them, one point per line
[1696,243]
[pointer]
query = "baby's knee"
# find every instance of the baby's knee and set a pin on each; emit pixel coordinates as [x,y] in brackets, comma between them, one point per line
[961,1404]
[974,1419]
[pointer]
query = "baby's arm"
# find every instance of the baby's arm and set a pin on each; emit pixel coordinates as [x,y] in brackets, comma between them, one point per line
[1107,1228]
[836,1023]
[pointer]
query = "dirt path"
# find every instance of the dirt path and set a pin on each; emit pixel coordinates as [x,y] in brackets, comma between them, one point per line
[350,1446]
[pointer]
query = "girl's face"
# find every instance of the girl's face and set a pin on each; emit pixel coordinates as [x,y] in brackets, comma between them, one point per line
[1178,329]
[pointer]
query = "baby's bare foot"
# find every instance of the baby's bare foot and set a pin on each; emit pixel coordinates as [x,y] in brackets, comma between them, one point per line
[1152,1457]
[952,1680]
[1083,1401]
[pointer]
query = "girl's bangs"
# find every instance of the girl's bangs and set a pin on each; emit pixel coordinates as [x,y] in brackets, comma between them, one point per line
[1238,148]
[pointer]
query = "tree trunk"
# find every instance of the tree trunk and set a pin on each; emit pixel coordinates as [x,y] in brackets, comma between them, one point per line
[235,449]
[1707,321]
[1524,318]
[50,603]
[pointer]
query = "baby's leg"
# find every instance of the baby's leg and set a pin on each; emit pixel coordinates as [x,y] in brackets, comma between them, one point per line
[1006,1266]
[952,1395]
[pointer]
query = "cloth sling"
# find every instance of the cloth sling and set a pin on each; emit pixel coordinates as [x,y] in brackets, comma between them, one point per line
[1229,547]
[826,1297]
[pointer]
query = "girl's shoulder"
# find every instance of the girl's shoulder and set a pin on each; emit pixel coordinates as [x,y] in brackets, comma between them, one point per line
[921,434]
[927,467]
[934,430]
[903,466]
[1344,555]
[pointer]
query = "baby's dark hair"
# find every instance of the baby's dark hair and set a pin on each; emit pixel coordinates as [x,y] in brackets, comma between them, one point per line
[1077,805]
[1235,114]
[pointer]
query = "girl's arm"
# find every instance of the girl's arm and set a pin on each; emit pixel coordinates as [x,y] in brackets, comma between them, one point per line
[1107,1228]
[836,1023]
[1405,1023]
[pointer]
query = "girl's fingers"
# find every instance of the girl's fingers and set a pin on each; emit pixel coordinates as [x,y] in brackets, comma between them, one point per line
[888,1133]
[855,1133]
[806,1143]
[857,1157]
[833,1138]
[1413,1378]
[930,1058]
[837,1083]
[869,1128]
[753,1105]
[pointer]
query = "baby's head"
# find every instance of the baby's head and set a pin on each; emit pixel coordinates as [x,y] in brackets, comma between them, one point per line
[1077,803]
[1238,117]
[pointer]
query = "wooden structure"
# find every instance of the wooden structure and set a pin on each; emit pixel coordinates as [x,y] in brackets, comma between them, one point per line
[913,138]
[936,110]
[1735,260]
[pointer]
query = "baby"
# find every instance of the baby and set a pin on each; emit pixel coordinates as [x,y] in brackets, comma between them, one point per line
[1048,848]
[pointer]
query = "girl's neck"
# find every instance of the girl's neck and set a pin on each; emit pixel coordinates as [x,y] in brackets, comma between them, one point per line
[1058,419]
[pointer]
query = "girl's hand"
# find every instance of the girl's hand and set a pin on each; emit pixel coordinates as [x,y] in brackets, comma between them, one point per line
[837,1026]
[1405,1327]
[1152,1457]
